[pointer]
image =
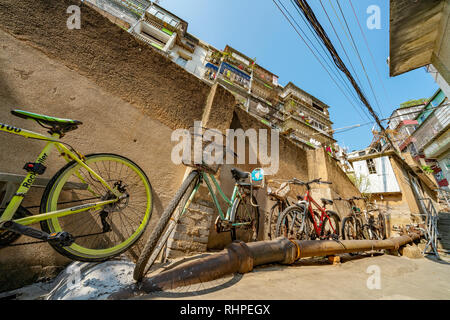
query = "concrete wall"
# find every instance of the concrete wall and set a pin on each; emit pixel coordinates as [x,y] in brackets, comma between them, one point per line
[380,182]
[128,96]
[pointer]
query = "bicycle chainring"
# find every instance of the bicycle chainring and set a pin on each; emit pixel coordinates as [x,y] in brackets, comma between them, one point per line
[221,225]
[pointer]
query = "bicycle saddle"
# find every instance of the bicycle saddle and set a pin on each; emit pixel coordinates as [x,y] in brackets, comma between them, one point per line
[57,124]
[238,175]
[326,201]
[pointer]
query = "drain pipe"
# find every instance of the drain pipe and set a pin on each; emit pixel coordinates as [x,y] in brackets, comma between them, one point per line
[242,257]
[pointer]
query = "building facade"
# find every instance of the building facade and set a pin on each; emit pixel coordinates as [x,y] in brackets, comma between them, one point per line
[306,118]
[429,141]
[301,117]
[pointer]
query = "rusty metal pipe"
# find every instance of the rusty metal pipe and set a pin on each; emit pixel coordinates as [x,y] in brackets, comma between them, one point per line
[313,248]
[241,257]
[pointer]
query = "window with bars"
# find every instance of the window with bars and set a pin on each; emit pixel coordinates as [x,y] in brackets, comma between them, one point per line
[371,166]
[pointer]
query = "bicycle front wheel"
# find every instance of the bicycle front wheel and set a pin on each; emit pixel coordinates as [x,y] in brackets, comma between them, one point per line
[245,225]
[148,254]
[104,232]
[294,223]
[330,229]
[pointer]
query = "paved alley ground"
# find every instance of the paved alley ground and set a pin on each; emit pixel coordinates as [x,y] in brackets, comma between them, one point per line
[365,277]
[400,278]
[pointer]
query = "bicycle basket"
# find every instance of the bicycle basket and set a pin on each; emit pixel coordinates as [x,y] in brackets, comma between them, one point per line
[202,151]
[283,190]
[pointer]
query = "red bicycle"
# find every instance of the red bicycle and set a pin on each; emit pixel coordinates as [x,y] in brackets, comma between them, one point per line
[302,221]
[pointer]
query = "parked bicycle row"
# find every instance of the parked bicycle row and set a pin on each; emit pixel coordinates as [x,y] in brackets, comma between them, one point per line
[305,219]
[97,206]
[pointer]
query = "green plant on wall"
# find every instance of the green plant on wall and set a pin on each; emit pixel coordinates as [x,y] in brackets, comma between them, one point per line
[427,169]
[411,103]
[362,182]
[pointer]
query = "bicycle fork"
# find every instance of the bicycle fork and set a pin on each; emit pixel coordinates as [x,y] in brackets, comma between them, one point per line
[173,222]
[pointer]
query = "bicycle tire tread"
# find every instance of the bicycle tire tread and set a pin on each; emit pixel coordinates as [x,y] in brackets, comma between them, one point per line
[151,243]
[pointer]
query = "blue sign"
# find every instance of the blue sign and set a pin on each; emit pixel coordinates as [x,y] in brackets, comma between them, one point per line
[257,175]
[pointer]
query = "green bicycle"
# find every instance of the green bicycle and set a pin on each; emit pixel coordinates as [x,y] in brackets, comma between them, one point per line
[94,208]
[241,218]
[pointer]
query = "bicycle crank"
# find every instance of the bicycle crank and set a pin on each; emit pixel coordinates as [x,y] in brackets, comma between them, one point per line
[221,225]
[63,238]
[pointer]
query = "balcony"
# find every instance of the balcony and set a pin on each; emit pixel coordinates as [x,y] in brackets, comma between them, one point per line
[432,127]
[234,76]
[153,36]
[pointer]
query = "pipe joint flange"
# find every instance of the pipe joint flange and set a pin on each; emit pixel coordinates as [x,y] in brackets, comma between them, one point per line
[291,252]
[244,255]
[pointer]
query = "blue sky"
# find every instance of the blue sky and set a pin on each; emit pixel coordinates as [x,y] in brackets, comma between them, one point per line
[258,29]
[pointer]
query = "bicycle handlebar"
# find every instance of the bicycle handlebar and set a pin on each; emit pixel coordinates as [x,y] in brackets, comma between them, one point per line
[302,183]
[349,199]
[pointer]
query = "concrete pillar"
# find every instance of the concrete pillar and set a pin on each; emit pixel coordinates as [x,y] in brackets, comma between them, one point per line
[169,45]
[192,233]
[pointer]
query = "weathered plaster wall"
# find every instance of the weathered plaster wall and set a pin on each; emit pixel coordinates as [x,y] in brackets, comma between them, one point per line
[128,96]
[38,84]
[109,56]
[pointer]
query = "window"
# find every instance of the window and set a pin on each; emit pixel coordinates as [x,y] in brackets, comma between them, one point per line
[167,19]
[174,23]
[371,166]
[190,45]
[159,15]
[317,107]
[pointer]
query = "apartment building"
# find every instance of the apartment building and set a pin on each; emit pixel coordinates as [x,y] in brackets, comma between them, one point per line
[306,118]
[300,116]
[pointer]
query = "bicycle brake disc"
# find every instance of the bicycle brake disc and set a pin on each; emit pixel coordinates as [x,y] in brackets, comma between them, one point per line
[7,237]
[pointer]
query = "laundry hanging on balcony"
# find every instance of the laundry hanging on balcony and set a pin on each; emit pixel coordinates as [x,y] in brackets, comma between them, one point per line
[261,109]
[211,66]
[228,67]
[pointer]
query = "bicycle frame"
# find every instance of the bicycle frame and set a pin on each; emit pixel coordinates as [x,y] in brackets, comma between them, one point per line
[25,186]
[236,193]
[308,200]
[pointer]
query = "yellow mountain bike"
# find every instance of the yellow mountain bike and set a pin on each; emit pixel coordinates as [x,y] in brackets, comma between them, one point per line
[95,207]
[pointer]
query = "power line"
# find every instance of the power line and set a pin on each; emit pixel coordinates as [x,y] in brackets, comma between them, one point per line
[355,126]
[352,44]
[370,52]
[295,29]
[310,16]
[360,59]
[345,51]
[339,75]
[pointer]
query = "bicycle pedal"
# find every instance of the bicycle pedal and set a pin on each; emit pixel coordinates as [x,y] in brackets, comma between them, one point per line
[63,238]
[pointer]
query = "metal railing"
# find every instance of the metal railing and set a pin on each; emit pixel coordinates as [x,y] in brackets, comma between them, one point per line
[431,230]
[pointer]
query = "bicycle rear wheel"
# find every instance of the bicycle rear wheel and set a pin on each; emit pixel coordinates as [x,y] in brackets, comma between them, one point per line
[247,215]
[273,218]
[381,226]
[148,256]
[99,233]
[349,229]
[294,223]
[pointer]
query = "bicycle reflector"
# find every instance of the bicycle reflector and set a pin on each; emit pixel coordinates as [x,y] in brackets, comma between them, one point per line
[257,174]
[36,168]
